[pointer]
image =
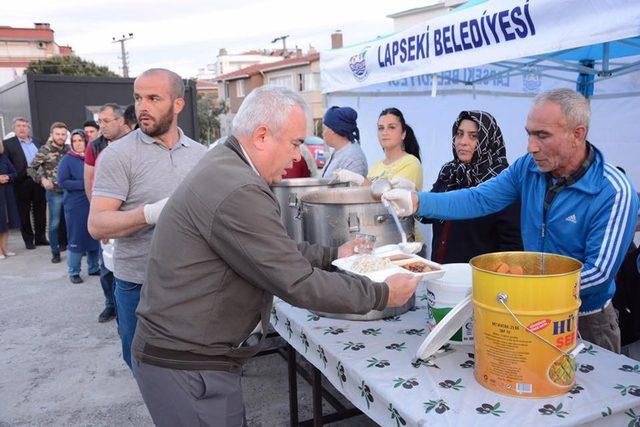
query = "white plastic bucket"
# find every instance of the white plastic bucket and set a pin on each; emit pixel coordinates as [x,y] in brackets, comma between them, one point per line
[445,293]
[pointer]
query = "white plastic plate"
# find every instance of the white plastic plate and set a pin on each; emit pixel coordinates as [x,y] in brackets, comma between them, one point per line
[346,263]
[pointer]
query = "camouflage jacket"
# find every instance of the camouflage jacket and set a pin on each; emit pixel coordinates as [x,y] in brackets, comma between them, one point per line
[45,163]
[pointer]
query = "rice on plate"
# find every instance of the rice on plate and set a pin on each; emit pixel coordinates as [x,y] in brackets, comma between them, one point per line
[367,263]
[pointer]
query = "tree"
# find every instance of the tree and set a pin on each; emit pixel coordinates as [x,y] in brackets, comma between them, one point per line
[70,66]
[208,118]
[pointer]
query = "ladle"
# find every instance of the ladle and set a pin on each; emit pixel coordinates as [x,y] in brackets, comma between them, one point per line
[380,186]
[406,247]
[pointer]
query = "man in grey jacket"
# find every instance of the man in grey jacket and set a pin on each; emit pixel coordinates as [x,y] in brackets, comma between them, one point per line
[218,255]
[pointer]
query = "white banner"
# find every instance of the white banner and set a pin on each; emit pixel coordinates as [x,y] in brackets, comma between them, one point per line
[529,81]
[494,31]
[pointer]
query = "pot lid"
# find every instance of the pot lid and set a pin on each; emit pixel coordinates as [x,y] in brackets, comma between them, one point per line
[446,328]
[307,182]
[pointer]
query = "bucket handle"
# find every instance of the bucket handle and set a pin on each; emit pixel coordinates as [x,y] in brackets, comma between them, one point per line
[502,299]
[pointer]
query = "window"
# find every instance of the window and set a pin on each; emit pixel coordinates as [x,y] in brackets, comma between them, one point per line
[227,90]
[316,81]
[240,88]
[309,82]
[282,81]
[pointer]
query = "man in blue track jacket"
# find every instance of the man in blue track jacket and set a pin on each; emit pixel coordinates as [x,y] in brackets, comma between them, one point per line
[573,203]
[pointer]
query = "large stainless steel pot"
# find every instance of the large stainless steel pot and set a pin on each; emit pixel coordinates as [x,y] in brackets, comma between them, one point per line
[332,217]
[373,314]
[289,191]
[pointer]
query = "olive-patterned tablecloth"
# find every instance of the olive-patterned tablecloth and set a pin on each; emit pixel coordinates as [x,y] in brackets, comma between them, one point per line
[372,364]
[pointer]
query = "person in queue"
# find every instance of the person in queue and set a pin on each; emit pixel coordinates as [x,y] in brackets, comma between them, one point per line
[30,195]
[130,119]
[70,178]
[113,126]
[573,203]
[9,216]
[340,131]
[219,255]
[43,169]
[134,179]
[304,168]
[479,154]
[91,130]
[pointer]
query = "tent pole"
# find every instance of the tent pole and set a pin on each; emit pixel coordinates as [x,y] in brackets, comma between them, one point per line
[576,67]
[434,85]
[631,68]
[605,59]
[625,67]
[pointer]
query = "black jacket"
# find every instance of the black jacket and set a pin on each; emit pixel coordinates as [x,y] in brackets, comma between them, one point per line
[98,144]
[459,241]
[627,297]
[13,151]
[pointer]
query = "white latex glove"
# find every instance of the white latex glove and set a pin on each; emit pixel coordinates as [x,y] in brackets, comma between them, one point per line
[152,211]
[400,199]
[348,176]
[399,182]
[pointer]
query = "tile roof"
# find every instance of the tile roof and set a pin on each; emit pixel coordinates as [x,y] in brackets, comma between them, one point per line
[255,69]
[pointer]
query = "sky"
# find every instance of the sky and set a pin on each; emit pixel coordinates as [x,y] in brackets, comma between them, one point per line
[186,35]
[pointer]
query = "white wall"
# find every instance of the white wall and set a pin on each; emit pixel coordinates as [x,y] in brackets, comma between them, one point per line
[9,74]
[439,8]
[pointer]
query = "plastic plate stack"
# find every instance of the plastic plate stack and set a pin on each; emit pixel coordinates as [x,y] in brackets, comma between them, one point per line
[399,262]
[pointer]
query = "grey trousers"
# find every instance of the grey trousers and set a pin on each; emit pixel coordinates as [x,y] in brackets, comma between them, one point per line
[190,398]
[601,328]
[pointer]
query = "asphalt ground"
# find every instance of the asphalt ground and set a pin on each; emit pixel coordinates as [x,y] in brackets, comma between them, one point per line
[59,366]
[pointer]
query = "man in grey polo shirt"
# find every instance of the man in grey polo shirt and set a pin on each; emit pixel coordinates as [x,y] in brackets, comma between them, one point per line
[133,181]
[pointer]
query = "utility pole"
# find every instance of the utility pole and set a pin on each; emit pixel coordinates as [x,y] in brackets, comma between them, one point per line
[121,40]
[284,44]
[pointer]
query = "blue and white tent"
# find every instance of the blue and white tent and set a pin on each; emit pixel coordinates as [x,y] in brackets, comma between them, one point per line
[496,55]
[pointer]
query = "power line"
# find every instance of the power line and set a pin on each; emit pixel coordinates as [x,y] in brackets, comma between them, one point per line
[284,44]
[125,65]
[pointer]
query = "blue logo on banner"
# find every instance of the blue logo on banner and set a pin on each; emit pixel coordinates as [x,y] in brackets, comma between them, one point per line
[532,79]
[358,65]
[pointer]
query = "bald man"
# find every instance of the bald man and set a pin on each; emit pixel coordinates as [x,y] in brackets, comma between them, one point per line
[133,181]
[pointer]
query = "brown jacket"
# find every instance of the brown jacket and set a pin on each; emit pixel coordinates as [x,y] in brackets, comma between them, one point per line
[219,254]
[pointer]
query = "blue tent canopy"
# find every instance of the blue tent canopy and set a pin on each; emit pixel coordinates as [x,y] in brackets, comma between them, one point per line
[593,63]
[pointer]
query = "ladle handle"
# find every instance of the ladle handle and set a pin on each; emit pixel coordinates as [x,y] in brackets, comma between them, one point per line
[394,215]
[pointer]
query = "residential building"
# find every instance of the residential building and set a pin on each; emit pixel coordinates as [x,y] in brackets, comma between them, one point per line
[20,46]
[433,8]
[300,74]
[227,63]
[207,88]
